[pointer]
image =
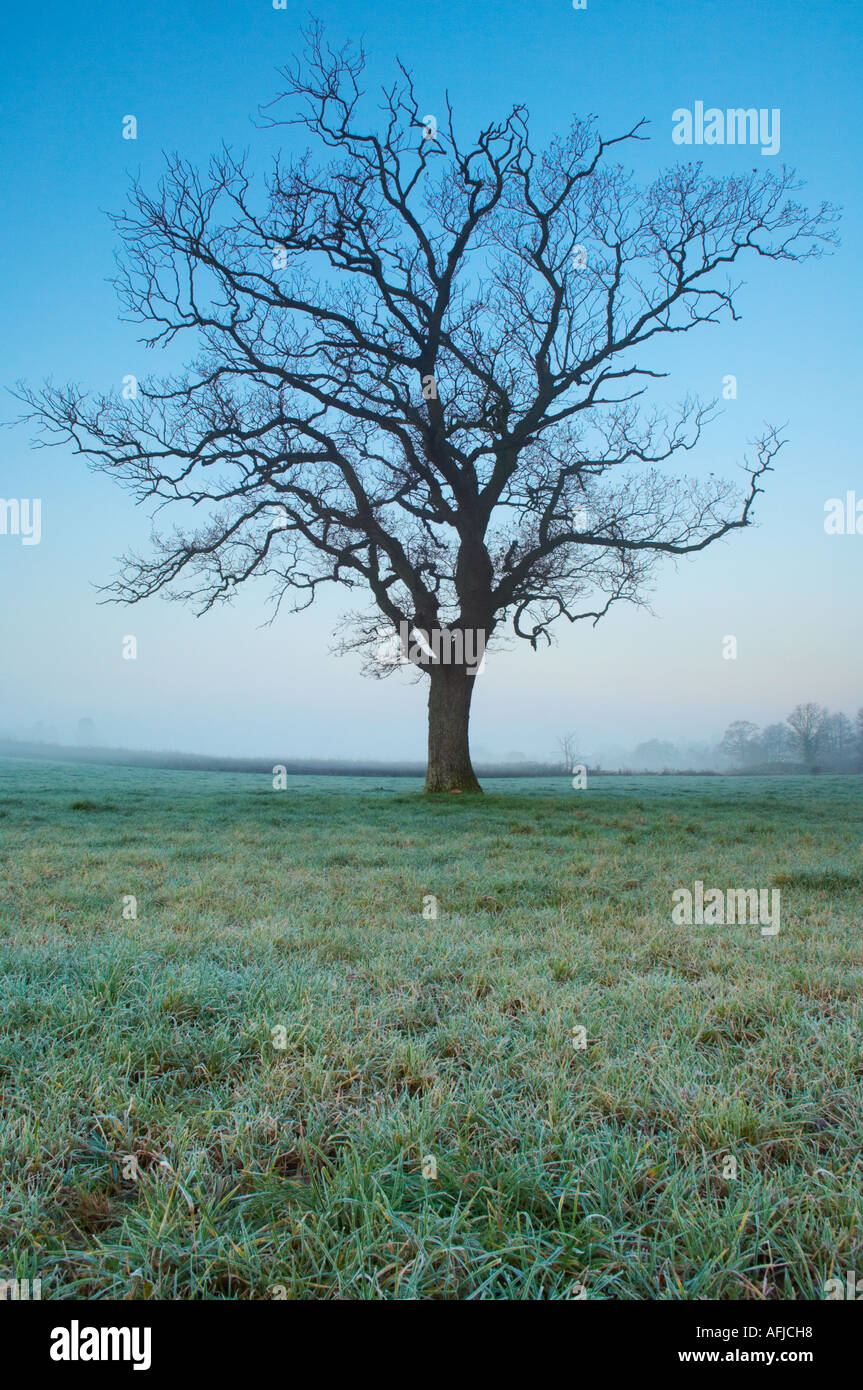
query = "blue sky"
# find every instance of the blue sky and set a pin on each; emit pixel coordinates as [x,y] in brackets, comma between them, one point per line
[194,74]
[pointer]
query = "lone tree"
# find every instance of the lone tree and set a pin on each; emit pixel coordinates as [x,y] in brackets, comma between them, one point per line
[417,374]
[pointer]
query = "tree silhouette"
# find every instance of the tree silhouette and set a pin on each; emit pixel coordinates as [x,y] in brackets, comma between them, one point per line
[738,741]
[807,722]
[418,374]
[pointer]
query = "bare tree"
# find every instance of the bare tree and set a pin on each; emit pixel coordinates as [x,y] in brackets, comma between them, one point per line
[419,373]
[807,722]
[776,741]
[738,743]
[569,756]
[839,740]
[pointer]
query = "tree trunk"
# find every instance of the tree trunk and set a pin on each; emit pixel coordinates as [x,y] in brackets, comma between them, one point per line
[449,765]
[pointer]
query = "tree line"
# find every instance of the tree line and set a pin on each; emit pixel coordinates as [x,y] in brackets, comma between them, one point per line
[810,736]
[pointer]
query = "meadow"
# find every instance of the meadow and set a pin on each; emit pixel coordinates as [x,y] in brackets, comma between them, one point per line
[282,1079]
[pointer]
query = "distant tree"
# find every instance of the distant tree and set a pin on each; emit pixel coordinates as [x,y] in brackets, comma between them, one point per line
[656,755]
[776,743]
[568,753]
[839,740]
[738,742]
[416,373]
[807,725]
[858,725]
[699,755]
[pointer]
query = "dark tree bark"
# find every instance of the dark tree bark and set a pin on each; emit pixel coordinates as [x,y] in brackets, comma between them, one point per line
[449,764]
[418,371]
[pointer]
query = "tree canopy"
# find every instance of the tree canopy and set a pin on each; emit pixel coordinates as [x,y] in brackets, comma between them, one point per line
[420,368]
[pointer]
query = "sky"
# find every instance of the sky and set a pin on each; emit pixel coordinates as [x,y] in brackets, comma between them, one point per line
[194,75]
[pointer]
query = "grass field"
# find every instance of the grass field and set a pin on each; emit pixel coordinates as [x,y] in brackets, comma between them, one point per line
[233,1095]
